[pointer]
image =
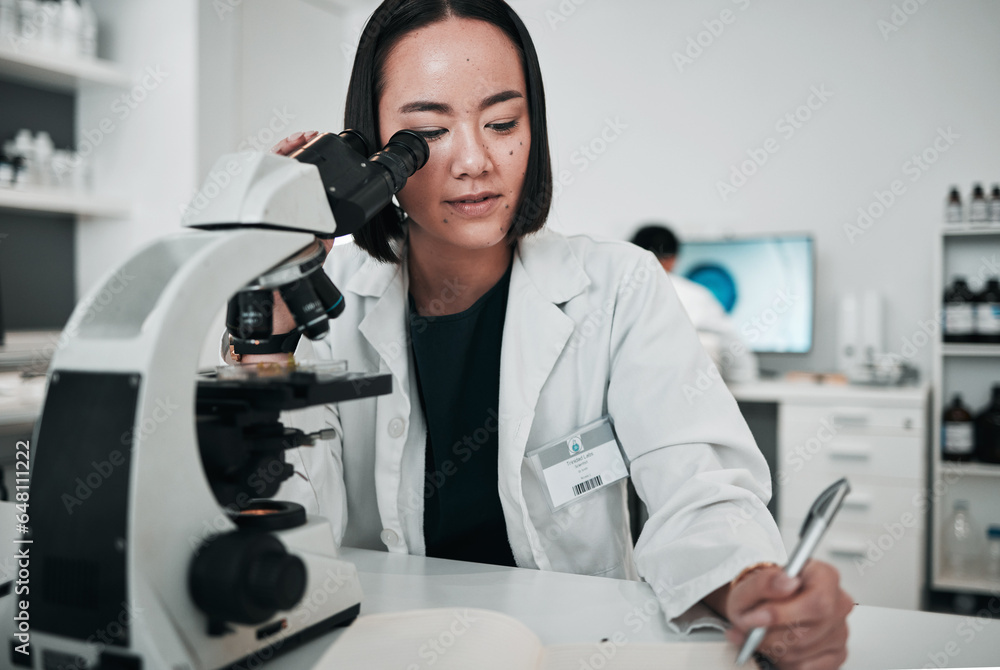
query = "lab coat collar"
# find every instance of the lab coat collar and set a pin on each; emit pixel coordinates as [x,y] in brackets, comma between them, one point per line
[374,278]
[551,266]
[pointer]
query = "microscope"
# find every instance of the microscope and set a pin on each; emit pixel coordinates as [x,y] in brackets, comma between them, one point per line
[136,453]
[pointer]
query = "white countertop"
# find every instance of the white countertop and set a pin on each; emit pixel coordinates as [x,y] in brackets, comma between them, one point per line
[812,393]
[563,608]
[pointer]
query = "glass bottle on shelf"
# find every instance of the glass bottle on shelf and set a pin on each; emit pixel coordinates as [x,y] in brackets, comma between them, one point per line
[978,212]
[958,432]
[953,208]
[88,30]
[988,430]
[993,552]
[994,206]
[960,542]
[959,312]
[8,21]
[987,315]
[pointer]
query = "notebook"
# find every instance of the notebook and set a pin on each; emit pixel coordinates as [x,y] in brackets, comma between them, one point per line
[465,638]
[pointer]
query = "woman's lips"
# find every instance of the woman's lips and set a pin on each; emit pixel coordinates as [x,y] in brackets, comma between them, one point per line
[475,209]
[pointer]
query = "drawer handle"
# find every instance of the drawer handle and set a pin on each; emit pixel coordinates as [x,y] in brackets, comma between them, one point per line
[847,552]
[855,454]
[858,502]
[849,420]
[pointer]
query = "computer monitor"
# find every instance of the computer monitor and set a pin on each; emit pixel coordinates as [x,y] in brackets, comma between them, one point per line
[766,284]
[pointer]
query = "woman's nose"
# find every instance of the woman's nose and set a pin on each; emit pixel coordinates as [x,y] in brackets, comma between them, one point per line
[470,156]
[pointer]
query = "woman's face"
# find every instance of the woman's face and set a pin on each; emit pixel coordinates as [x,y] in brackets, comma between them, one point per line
[460,84]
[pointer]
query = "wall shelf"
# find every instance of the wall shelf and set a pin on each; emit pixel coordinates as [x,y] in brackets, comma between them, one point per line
[970,229]
[59,73]
[951,582]
[971,349]
[60,202]
[970,469]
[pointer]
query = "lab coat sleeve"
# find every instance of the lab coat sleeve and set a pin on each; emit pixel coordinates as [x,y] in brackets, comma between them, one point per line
[693,460]
[318,481]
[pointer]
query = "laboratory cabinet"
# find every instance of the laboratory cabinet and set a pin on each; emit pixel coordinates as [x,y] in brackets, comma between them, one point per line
[877,438]
[971,369]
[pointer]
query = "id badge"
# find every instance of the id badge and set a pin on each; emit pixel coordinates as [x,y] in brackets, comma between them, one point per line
[587,460]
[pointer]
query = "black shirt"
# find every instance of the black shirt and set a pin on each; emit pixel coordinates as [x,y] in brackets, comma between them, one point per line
[457,358]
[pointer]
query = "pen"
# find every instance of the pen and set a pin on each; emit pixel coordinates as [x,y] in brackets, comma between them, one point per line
[817,521]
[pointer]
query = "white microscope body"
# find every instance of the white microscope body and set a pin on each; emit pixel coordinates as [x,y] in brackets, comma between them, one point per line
[119,499]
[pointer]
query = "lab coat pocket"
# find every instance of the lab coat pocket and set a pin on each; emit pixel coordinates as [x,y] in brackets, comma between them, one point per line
[589,536]
[579,464]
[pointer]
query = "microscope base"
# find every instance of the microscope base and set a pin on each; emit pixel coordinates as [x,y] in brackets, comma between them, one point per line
[292,642]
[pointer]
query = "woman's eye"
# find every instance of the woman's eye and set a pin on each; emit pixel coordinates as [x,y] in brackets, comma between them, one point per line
[504,128]
[430,135]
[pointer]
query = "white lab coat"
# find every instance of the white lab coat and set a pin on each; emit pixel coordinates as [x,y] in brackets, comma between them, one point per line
[592,328]
[716,331]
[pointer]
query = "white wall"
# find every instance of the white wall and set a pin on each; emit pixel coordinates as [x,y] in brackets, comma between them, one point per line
[685,129]
[145,137]
[268,70]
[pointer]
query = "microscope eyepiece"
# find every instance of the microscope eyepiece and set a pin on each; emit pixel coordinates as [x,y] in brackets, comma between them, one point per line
[405,153]
[356,141]
[359,184]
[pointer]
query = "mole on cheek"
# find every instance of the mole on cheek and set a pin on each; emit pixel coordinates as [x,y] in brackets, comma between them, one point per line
[512,152]
[446,220]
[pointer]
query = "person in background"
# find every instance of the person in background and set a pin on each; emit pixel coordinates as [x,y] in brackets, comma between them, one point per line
[717,332]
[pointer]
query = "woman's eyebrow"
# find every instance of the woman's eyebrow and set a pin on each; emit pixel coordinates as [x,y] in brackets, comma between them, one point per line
[497,98]
[444,108]
[425,106]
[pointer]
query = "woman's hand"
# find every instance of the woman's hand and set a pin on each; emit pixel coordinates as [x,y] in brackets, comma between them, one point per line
[293,142]
[805,617]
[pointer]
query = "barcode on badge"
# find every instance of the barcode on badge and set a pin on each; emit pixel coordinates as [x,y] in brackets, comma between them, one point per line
[583,487]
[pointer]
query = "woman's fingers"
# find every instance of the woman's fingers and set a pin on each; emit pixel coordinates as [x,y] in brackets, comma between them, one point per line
[293,142]
[819,599]
[755,590]
[805,628]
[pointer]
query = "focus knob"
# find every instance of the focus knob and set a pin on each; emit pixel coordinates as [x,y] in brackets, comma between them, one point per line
[277,581]
[245,577]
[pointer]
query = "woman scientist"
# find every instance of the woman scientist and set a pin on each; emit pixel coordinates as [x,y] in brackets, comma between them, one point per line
[511,347]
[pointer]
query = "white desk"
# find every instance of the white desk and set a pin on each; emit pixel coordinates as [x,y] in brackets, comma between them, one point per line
[562,609]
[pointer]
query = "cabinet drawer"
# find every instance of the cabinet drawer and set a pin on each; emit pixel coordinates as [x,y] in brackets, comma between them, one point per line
[876,568]
[867,503]
[843,455]
[856,419]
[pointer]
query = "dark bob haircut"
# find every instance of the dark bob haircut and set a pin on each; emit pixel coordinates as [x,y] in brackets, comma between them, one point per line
[391,21]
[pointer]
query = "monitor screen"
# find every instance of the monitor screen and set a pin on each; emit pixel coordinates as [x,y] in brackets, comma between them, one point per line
[765,285]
